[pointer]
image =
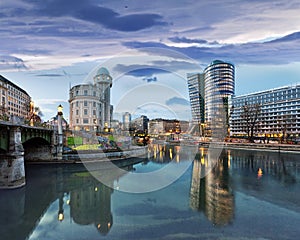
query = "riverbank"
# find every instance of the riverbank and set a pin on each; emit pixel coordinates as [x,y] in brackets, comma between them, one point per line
[93,156]
[288,148]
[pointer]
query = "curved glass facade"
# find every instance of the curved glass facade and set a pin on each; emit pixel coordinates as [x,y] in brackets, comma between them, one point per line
[219,86]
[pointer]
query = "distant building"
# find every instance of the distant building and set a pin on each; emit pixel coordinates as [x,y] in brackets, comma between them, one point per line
[161,126]
[279,112]
[126,121]
[14,101]
[90,108]
[139,125]
[196,92]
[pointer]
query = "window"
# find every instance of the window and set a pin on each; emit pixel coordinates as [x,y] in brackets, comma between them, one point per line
[85,103]
[77,104]
[94,112]
[77,121]
[85,120]
[85,112]
[77,112]
[85,92]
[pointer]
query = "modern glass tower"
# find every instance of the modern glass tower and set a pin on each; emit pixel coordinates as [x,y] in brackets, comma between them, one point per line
[196,92]
[219,87]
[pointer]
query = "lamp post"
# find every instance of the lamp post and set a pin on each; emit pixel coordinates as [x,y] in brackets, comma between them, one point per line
[59,132]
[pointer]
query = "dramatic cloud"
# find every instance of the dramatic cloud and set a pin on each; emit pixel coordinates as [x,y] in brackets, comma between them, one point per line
[177,101]
[9,63]
[286,50]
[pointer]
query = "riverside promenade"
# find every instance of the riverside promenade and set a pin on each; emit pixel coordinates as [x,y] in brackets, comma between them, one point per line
[273,147]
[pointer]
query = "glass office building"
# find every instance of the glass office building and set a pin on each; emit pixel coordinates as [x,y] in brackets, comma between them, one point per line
[279,112]
[219,87]
[195,83]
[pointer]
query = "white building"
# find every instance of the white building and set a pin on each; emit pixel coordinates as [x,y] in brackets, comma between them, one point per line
[90,108]
[279,112]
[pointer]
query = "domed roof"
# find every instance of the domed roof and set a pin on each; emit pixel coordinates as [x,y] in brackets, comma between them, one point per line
[102,71]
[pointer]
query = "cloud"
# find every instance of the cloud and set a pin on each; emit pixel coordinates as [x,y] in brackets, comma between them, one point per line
[49,75]
[10,62]
[150,79]
[137,70]
[92,12]
[286,50]
[186,40]
[177,101]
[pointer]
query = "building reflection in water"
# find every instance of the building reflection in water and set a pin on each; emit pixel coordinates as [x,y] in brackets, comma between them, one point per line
[92,205]
[89,200]
[211,192]
[164,153]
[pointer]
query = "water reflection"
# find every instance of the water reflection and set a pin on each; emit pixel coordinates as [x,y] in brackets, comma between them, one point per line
[74,194]
[165,153]
[211,193]
[92,205]
[68,198]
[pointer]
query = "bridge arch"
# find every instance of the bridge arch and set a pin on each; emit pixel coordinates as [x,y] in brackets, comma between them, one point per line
[36,149]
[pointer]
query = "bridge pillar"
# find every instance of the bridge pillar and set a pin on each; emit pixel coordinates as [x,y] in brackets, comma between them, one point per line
[12,169]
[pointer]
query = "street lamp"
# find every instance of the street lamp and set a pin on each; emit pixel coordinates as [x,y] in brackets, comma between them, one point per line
[59,132]
[59,110]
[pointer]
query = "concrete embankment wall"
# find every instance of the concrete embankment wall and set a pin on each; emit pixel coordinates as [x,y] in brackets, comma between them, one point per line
[264,147]
[105,156]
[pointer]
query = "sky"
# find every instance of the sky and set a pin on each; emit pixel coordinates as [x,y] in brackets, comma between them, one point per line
[148,47]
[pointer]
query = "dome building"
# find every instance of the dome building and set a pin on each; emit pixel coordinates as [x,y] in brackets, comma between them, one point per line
[90,108]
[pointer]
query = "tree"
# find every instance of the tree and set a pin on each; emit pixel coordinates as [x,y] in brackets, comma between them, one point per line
[249,116]
[35,116]
[4,113]
[284,123]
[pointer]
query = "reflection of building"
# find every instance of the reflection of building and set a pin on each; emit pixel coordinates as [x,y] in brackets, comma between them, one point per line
[14,101]
[90,108]
[92,205]
[211,193]
[279,112]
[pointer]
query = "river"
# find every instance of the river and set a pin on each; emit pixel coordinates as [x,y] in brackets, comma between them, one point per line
[242,195]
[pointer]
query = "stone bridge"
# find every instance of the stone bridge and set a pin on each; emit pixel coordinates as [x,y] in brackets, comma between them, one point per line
[19,143]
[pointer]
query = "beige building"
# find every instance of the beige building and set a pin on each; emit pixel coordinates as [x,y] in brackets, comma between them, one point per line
[90,108]
[14,101]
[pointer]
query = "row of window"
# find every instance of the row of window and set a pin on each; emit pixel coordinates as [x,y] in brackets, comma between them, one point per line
[87,121]
[86,112]
[86,103]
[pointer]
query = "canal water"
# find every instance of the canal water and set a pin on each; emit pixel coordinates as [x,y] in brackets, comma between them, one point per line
[243,195]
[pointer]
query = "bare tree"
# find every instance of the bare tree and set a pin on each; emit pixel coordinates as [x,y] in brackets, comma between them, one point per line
[284,123]
[249,116]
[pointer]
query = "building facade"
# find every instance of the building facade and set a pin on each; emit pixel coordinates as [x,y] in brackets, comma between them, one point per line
[278,113]
[219,87]
[209,94]
[90,108]
[126,121]
[139,125]
[195,83]
[14,101]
